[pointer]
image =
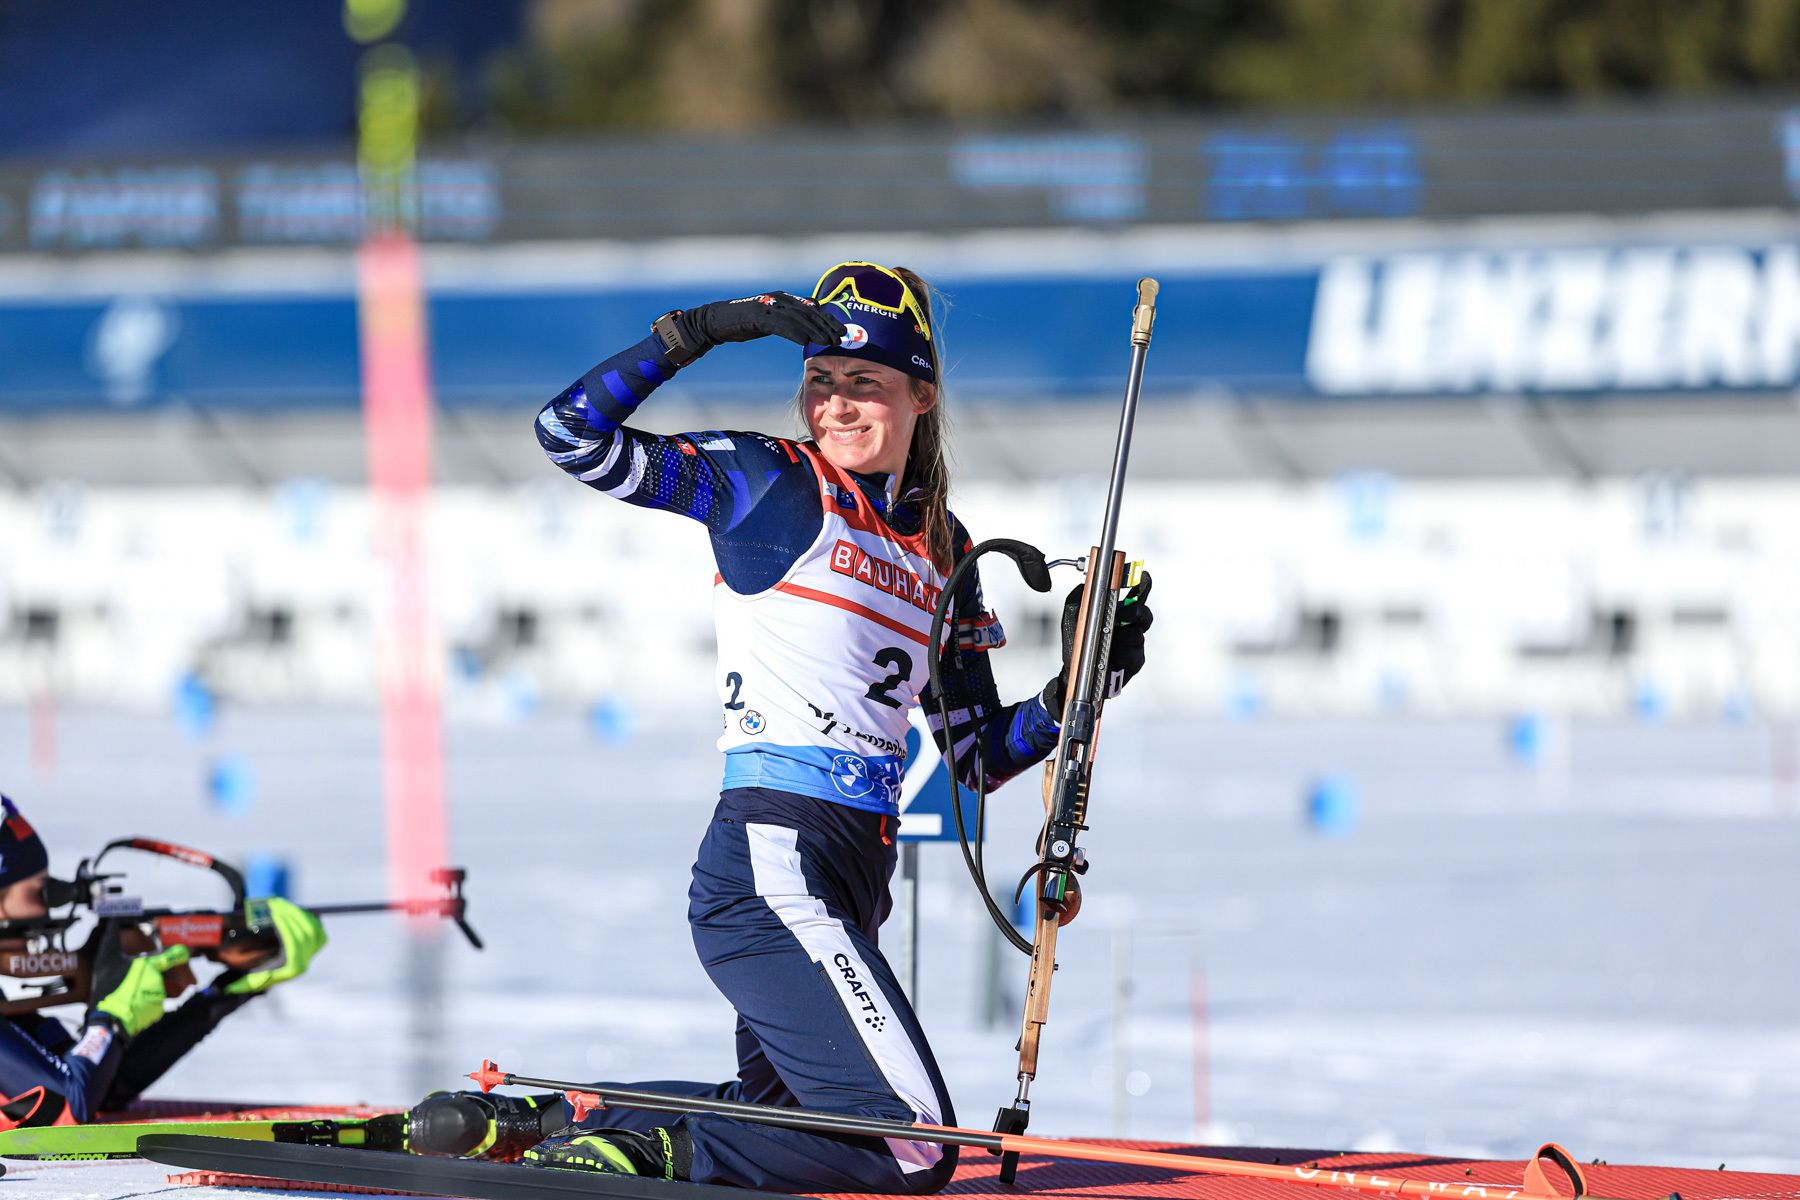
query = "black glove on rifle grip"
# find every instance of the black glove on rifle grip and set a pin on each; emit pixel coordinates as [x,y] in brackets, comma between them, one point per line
[1131,618]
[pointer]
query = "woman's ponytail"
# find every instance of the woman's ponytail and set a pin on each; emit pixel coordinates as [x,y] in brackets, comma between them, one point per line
[926,466]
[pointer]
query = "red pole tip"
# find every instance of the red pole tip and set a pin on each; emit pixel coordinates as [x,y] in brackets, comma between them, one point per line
[583,1103]
[489,1077]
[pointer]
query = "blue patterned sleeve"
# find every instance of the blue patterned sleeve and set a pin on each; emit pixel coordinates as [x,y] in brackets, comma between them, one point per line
[994,742]
[713,477]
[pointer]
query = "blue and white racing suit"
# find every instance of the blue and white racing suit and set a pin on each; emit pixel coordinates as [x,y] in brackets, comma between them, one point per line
[823,606]
[48,1076]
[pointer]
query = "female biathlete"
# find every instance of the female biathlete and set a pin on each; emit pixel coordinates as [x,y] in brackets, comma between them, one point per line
[832,553]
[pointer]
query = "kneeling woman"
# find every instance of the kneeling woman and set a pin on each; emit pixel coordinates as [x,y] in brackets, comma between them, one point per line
[831,554]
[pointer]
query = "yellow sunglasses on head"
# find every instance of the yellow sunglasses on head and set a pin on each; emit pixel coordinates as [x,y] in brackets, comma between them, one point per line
[874,285]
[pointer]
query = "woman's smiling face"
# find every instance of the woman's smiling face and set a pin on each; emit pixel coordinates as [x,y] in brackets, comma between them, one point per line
[862,413]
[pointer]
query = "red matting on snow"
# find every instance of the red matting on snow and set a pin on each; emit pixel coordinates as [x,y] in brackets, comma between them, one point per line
[227,1110]
[977,1176]
[977,1173]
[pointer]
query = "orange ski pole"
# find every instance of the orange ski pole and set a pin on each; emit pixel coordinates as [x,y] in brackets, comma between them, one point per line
[584,1098]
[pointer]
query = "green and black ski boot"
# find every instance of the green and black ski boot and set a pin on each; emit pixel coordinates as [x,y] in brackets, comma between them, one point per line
[662,1153]
[478,1125]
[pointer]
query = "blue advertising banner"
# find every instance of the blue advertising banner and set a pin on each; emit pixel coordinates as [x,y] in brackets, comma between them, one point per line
[1563,320]
[1029,339]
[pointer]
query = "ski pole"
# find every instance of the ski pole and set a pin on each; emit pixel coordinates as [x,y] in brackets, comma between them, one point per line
[584,1098]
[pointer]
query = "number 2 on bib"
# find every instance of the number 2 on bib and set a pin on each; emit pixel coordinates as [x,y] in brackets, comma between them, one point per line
[901,665]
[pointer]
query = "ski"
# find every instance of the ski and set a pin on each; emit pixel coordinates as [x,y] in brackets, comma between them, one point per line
[472,1178]
[120,1139]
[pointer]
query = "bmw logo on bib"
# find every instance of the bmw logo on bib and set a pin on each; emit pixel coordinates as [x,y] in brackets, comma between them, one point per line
[752,722]
[851,775]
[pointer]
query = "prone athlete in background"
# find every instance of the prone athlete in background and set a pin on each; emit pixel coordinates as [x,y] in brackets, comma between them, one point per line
[129,1038]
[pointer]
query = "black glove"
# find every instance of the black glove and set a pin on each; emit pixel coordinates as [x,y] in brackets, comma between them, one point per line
[1130,620]
[688,333]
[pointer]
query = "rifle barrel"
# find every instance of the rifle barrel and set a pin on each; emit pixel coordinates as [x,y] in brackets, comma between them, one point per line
[370,906]
[1143,317]
[453,907]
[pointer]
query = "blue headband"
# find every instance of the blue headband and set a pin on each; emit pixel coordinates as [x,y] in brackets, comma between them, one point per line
[893,340]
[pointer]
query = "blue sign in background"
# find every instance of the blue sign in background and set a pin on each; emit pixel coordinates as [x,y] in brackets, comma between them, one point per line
[927,816]
[1578,319]
[1027,339]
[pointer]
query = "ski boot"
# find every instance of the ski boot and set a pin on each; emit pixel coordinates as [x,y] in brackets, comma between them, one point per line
[478,1125]
[660,1154]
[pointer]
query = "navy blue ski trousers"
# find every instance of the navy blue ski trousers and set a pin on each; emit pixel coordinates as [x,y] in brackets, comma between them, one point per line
[788,894]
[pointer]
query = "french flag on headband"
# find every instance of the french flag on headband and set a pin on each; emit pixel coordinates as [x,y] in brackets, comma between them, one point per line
[891,339]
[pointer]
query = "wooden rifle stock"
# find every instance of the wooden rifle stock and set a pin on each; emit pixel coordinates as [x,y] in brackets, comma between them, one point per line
[1068,773]
[222,937]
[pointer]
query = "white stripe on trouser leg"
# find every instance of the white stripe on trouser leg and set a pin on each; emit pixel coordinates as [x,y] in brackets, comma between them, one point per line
[775,862]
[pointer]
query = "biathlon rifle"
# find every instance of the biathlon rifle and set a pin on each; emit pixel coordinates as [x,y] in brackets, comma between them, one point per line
[239,936]
[1068,773]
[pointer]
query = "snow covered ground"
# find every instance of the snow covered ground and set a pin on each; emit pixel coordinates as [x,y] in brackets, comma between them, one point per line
[107,1181]
[1604,953]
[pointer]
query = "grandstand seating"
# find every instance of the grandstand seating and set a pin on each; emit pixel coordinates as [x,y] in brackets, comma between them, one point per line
[1458,597]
